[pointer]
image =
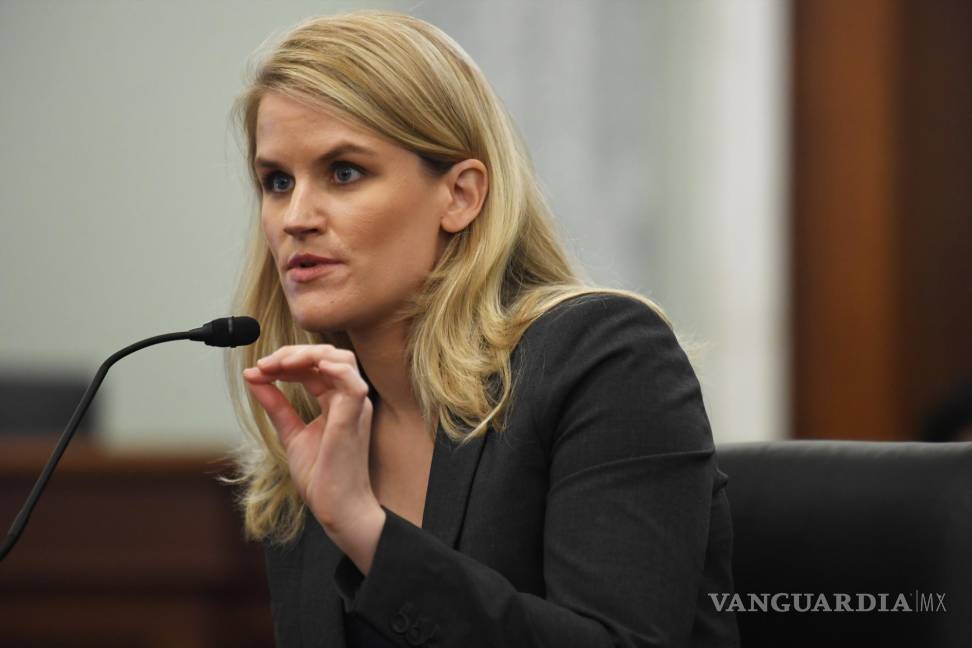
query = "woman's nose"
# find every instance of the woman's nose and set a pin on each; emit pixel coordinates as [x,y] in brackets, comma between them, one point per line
[303,214]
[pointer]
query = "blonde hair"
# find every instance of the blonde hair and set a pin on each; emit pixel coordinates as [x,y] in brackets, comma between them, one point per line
[408,81]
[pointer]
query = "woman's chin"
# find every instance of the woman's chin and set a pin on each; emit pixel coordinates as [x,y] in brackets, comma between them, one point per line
[317,322]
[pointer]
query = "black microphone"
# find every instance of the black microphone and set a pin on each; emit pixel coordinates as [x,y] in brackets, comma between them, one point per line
[227,332]
[222,332]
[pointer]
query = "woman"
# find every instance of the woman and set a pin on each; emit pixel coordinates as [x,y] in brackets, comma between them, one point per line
[455,440]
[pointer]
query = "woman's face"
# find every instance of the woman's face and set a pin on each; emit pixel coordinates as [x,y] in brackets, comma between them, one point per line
[376,211]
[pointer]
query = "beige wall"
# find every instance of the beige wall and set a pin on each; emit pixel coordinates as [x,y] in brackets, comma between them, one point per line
[656,127]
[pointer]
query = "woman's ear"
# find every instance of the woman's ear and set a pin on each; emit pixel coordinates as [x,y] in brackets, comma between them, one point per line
[467,183]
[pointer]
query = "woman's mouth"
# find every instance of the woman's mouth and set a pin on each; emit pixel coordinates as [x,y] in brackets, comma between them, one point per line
[301,274]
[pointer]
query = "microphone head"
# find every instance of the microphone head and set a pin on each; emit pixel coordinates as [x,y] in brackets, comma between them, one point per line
[229,332]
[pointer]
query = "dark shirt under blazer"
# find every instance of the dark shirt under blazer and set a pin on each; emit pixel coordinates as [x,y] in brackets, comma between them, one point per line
[598,518]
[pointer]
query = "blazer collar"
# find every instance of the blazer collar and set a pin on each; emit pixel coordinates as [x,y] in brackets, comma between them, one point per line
[450,480]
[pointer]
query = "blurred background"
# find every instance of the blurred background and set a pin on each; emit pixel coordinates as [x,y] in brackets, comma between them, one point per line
[789,180]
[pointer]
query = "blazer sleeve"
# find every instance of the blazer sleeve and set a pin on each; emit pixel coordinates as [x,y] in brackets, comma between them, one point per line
[619,411]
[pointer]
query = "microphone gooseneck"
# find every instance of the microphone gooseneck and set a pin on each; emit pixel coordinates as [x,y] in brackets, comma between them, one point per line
[223,332]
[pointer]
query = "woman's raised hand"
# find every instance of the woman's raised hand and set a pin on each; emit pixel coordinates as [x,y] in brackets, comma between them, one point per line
[328,457]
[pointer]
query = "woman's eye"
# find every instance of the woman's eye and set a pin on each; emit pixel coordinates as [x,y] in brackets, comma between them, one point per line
[271,185]
[345,166]
[343,172]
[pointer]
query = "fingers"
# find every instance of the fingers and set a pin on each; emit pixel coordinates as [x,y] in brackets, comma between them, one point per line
[346,378]
[298,363]
[352,394]
[326,371]
[281,413]
[303,355]
[312,378]
[350,413]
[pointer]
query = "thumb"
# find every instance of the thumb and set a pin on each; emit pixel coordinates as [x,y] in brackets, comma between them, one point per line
[285,420]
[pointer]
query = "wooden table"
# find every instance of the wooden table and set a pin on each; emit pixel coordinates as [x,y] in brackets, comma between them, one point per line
[127,550]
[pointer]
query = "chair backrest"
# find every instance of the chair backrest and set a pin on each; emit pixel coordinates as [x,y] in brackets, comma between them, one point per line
[861,518]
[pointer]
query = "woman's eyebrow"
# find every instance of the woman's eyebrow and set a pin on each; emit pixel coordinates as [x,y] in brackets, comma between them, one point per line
[340,149]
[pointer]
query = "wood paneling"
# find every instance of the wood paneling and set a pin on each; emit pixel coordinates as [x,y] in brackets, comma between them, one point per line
[881,212]
[935,174]
[127,550]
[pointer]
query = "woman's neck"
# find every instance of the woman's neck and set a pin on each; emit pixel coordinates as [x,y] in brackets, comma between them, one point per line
[381,355]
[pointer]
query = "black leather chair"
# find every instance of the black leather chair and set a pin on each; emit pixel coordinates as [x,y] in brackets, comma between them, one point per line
[852,517]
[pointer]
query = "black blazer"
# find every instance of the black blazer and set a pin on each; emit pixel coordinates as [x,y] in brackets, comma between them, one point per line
[599,517]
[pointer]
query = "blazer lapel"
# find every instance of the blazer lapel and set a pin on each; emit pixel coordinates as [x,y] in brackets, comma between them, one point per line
[450,481]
